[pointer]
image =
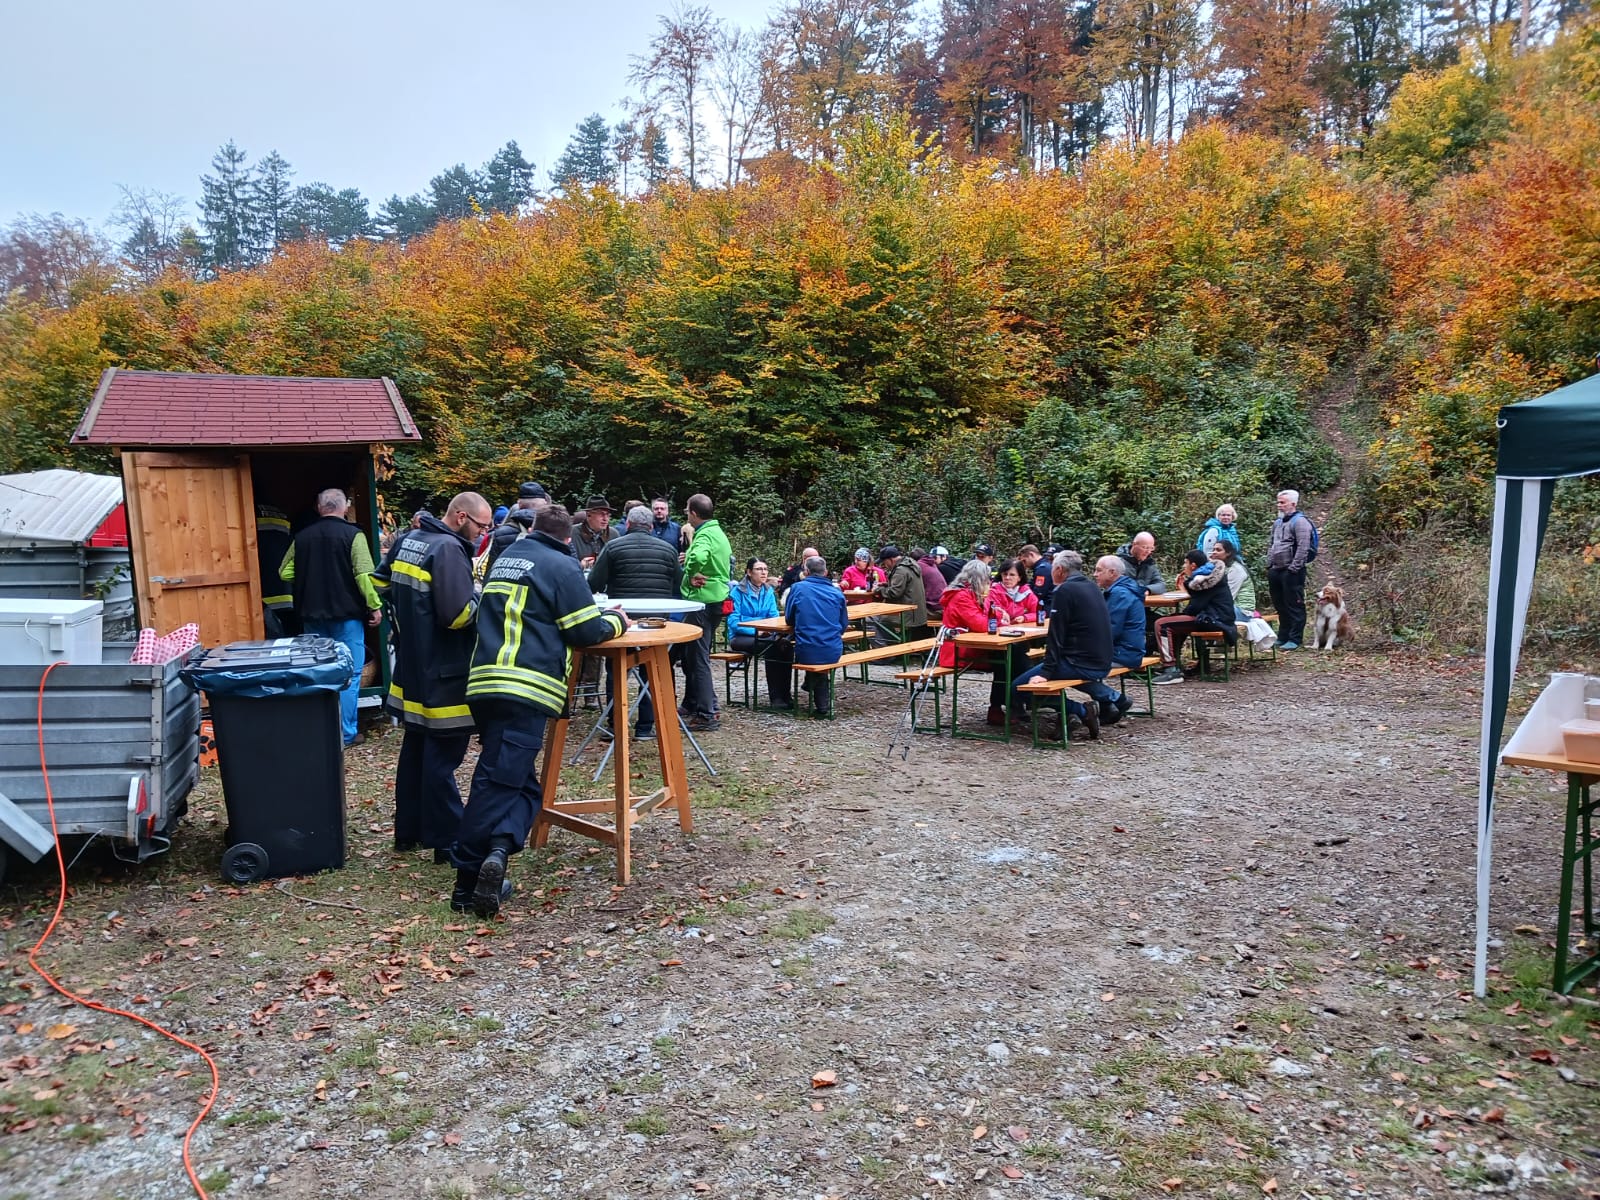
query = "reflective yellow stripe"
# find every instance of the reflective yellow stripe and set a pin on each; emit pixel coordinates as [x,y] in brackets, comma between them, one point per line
[404,568]
[464,617]
[585,613]
[518,681]
[513,628]
[269,601]
[272,523]
[411,706]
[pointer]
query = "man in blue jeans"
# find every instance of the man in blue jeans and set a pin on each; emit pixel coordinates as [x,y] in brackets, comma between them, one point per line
[1079,645]
[329,566]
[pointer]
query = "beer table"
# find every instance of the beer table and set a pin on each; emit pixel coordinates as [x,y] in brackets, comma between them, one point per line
[647,650]
[1021,635]
[1159,600]
[856,612]
[1578,844]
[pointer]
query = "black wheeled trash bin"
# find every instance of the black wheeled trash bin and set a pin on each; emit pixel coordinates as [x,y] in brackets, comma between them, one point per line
[275,712]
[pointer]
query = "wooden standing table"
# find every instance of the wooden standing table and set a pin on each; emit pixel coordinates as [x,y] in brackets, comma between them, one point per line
[647,650]
[1577,845]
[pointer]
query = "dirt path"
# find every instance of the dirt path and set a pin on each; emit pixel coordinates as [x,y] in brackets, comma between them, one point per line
[1327,408]
[1221,952]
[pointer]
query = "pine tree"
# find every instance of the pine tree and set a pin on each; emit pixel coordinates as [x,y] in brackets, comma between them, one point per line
[657,158]
[320,213]
[507,180]
[455,193]
[404,219]
[272,196]
[587,158]
[227,212]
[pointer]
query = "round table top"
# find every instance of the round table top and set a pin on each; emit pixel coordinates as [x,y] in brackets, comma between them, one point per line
[647,608]
[670,634]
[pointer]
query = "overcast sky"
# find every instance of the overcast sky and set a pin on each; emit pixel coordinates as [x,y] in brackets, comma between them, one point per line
[354,93]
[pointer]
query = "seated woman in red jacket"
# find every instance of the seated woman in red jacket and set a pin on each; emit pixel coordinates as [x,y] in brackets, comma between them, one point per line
[968,604]
[1012,598]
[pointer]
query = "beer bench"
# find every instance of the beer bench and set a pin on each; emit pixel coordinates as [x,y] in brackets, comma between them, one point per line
[862,658]
[1059,688]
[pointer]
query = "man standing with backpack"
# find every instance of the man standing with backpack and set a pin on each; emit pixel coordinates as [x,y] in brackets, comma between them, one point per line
[1293,545]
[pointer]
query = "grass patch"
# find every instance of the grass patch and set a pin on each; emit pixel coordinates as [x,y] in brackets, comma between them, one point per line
[358,1056]
[217,1180]
[876,1168]
[576,1118]
[799,923]
[738,796]
[652,1122]
[665,1046]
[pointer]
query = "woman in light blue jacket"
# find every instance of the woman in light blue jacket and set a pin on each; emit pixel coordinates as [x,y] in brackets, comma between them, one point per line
[754,598]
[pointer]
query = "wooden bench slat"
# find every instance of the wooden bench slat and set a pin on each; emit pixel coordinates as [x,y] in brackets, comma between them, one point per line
[728,656]
[932,673]
[876,654]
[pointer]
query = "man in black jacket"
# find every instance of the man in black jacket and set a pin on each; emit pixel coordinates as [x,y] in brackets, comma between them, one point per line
[1079,645]
[329,566]
[535,609]
[426,580]
[637,566]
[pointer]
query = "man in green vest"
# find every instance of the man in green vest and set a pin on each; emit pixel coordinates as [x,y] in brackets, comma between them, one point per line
[707,570]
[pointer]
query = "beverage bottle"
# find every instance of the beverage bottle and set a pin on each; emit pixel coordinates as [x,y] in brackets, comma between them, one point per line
[994,624]
[1040,616]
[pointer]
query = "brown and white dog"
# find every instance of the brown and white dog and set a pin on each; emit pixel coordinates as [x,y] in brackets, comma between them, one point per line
[1333,620]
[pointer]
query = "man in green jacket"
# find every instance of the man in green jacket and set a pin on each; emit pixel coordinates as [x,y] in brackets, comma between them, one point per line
[707,569]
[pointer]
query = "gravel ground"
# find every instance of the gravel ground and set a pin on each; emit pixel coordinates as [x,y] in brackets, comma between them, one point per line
[1226,951]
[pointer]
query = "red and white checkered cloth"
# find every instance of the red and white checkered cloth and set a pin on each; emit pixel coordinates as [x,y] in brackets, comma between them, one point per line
[153,649]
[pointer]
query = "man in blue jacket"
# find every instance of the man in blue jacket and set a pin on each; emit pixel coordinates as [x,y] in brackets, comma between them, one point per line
[1125,606]
[663,526]
[818,615]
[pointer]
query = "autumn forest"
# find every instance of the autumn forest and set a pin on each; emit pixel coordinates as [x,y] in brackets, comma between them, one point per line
[1034,271]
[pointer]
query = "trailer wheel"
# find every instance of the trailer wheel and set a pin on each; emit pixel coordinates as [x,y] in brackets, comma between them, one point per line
[244,863]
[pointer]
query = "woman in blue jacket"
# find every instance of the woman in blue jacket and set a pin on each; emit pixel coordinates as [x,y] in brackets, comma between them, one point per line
[754,598]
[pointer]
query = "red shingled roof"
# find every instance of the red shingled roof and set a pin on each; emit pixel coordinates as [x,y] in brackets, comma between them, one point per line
[168,408]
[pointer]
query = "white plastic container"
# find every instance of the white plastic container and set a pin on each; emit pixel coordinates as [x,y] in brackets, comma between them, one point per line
[46,631]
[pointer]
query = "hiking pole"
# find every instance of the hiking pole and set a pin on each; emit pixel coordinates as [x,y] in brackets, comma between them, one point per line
[907,724]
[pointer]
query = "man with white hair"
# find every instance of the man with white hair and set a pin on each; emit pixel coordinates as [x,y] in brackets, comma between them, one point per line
[1220,527]
[1287,554]
[329,566]
[1125,607]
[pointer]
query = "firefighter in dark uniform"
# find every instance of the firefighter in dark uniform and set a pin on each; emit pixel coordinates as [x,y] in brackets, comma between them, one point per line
[273,538]
[426,580]
[535,607]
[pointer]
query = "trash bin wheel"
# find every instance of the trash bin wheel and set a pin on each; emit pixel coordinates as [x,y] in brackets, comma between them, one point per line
[244,863]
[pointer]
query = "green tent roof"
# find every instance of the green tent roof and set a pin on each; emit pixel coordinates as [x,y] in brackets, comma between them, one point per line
[1553,436]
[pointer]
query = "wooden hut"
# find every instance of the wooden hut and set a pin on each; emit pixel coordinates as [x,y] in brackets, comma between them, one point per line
[200,453]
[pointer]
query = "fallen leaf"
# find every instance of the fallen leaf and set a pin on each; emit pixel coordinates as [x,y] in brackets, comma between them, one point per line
[672,962]
[1495,1115]
[1172,1184]
[1543,1056]
[824,1079]
[452,1139]
[1010,1172]
[1017,1133]
[1107,997]
[1270,1186]
[60,1030]
[982,1131]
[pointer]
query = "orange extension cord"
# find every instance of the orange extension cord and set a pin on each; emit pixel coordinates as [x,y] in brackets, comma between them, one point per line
[61,901]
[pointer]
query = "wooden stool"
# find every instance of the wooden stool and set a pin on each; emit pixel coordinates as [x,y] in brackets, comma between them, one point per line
[647,650]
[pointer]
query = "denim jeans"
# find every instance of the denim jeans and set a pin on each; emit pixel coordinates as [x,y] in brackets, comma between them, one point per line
[350,635]
[1094,685]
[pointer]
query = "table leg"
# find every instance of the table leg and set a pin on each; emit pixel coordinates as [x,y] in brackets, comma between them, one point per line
[669,742]
[1573,850]
[555,745]
[1007,731]
[621,780]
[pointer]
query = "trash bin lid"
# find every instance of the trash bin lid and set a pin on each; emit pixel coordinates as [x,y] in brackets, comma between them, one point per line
[277,654]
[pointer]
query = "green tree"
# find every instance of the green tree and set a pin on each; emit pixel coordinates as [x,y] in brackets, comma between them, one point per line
[455,193]
[1367,57]
[334,217]
[407,217]
[227,211]
[1438,122]
[587,158]
[272,198]
[507,180]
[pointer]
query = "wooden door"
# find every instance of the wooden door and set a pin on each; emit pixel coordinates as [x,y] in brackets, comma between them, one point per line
[191,517]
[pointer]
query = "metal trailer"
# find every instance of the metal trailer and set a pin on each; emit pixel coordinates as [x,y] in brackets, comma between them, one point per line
[122,743]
